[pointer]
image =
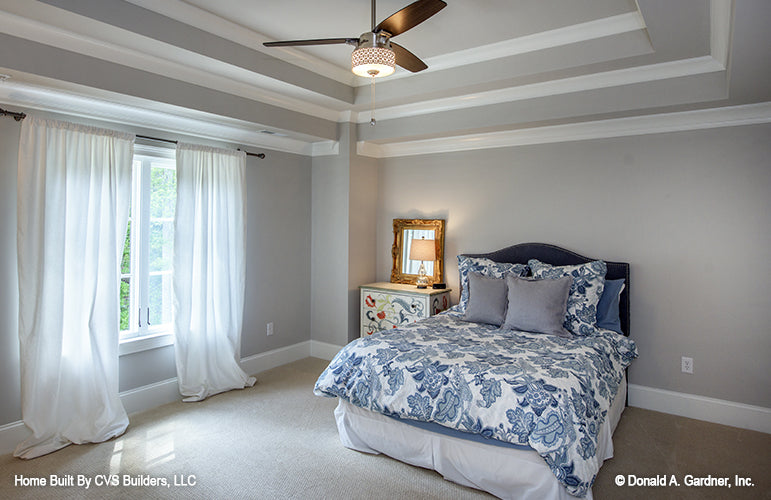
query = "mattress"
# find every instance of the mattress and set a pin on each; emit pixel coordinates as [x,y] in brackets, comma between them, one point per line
[548,393]
[505,471]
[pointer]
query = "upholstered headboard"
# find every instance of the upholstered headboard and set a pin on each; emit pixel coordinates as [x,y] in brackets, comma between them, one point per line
[557,256]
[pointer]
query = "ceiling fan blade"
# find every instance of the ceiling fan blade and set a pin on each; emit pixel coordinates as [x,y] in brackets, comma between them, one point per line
[410,16]
[407,59]
[318,41]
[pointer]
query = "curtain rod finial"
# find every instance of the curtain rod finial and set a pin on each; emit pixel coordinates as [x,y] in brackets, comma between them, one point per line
[16,116]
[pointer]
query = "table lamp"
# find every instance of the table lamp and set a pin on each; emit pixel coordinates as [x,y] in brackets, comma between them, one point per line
[422,250]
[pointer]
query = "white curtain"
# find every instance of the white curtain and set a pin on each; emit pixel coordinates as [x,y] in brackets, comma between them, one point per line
[74,186]
[209,270]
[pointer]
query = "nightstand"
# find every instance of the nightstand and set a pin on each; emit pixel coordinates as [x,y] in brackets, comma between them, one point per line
[390,305]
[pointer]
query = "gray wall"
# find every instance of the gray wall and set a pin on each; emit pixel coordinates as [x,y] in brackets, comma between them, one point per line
[344,238]
[691,212]
[362,234]
[278,265]
[329,247]
[278,251]
[10,377]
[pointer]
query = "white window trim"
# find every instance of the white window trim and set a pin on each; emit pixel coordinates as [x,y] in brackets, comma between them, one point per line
[139,344]
[160,337]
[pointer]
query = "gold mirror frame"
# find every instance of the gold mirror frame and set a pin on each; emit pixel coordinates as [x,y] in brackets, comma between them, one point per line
[400,225]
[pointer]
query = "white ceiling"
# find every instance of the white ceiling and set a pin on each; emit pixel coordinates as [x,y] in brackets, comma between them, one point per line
[497,68]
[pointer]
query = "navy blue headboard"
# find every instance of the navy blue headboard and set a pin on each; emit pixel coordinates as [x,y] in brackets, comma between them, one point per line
[557,256]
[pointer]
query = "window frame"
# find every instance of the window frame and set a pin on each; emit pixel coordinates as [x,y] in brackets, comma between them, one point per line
[140,336]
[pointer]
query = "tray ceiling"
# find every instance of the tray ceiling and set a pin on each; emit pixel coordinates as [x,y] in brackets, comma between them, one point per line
[495,66]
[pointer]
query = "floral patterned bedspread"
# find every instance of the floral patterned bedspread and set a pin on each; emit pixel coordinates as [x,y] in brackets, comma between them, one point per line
[549,393]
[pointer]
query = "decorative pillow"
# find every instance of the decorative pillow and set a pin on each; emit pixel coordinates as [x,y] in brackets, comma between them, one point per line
[585,292]
[608,316]
[487,300]
[485,267]
[537,305]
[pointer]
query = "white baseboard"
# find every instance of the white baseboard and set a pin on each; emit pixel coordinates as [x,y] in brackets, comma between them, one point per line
[167,391]
[276,357]
[324,350]
[11,435]
[150,396]
[134,400]
[719,411]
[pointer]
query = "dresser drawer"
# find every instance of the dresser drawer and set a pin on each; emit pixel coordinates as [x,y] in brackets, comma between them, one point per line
[381,310]
[386,309]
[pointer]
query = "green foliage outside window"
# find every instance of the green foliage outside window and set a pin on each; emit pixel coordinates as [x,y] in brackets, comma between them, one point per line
[158,245]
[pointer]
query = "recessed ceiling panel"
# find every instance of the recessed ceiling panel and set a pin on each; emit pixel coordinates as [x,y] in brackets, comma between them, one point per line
[461,25]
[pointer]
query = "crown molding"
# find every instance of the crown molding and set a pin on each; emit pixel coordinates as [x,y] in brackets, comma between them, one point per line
[169,119]
[166,118]
[42,23]
[626,76]
[609,26]
[325,148]
[202,19]
[729,116]
[60,28]
[216,25]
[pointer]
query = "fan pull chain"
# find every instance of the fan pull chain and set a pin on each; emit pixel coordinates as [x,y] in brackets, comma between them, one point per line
[372,120]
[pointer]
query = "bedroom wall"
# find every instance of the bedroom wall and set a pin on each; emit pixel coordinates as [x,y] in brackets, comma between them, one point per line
[10,378]
[362,233]
[278,264]
[329,247]
[691,212]
[344,201]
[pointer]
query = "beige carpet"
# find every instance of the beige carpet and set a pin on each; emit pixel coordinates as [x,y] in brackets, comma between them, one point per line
[277,440]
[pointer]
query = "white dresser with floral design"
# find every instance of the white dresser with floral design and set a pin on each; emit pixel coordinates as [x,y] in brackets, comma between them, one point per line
[389,305]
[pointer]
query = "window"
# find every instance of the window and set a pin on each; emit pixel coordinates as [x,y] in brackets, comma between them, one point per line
[146,279]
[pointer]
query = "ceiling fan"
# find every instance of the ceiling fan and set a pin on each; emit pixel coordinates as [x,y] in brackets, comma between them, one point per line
[375,53]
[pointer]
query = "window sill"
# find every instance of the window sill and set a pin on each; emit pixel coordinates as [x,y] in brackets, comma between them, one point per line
[139,344]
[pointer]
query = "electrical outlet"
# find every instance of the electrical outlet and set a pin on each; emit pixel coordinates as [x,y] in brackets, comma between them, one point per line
[270,328]
[686,364]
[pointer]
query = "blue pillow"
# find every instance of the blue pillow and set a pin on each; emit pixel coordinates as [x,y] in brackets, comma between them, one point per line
[608,308]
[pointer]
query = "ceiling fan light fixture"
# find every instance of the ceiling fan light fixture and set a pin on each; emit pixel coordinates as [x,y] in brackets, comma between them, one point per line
[373,62]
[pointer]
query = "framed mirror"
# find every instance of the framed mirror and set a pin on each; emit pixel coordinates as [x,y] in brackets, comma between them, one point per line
[405,269]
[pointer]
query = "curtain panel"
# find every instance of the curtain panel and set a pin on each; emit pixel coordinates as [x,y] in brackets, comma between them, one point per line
[209,270]
[74,189]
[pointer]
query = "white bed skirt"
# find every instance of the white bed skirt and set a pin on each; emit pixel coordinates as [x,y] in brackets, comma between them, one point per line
[505,472]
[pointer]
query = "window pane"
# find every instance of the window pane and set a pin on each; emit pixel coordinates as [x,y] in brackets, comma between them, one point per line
[125,303]
[125,264]
[163,188]
[146,263]
[161,251]
[160,298]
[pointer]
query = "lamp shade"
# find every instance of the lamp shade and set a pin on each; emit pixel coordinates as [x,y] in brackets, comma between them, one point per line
[375,62]
[423,250]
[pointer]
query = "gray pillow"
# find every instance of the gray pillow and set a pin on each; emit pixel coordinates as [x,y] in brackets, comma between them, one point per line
[487,300]
[537,305]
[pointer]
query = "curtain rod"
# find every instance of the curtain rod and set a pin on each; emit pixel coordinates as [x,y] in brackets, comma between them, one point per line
[16,116]
[20,116]
[258,155]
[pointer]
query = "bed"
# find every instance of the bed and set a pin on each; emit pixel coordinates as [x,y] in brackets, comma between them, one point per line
[518,413]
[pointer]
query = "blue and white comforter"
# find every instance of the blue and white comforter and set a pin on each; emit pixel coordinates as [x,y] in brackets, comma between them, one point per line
[549,393]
